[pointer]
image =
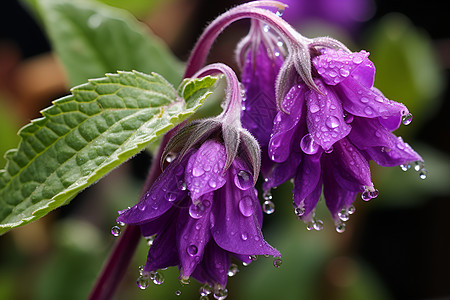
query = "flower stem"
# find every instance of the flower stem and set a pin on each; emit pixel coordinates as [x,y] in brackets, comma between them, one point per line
[120,257]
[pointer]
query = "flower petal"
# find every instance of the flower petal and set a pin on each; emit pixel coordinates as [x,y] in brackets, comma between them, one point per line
[351,165]
[367,133]
[204,169]
[336,197]
[214,266]
[167,189]
[325,117]
[236,226]
[259,108]
[336,66]
[284,125]
[400,153]
[306,180]
[192,236]
[163,253]
[283,171]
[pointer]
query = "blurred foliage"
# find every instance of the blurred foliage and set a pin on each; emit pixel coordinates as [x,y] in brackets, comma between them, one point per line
[408,70]
[9,125]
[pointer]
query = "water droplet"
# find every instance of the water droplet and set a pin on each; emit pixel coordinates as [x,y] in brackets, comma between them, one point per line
[344,72]
[185,280]
[348,118]
[197,211]
[170,157]
[253,257]
[299,211]
[351,209]
[364,100]
[368,111]
[205,290]
[280,12]
[405,167]
[357,59]
[243,180]
[314,108]
[142,282]
[318,225]
[267,195]
[246,206]
[95,21]
[268,207]
[158,279]
[221,294]
[332,122]
[181,185]
[374,193]
[115,230]
[310,226]
[266,28]
[423,174]
[407,119]
[366,195]
[178,292]
[277,262]
[196,171]
[244,236]
[150,240]
[192,250]
[328,151]
[419,165]
[170,197]
[308,145]
[344,215]
[340,227]
[233,270]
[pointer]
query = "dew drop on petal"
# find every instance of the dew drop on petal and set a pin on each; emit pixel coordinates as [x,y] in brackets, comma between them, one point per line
[313,108]
[115,230]
[246,206]
[150,240]
[407,119]
[423,173]
[268,207]
[368,111]
[243,180]
[142,282]
[308,145]
[332,122]
[170,197]
[277,262]
[192,250]
[344,72]
[196,211]
[233,270]
[244,236]
[364,100]
[181,185]
[197,171]
[351,210]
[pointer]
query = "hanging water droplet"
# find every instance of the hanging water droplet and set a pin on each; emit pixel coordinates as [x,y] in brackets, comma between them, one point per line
[405,167]
[178,292]
[328,151]
[374,193]
[221,294]
[351,210]
[233,270]
[192,250]
[299,211]
[141,270]
[185,280]
[310,226]
[253,257]
[340,227]
[142,282]
[243,180]
[246,206]
[280,12]
[268,207]
[344,215]
[115,230]
[407,119]
[318,225]
[366,195]
[150,240]
[197,211]
[205,290]
[423,173]
[277,262]
[158,279]
[419,165]
[308,145]
[267,195]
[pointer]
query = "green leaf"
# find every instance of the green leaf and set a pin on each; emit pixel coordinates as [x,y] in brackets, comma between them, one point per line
[84,136]
[92,39]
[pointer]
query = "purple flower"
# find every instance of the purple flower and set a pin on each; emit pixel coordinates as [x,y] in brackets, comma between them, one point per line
[325,137]
[203,208]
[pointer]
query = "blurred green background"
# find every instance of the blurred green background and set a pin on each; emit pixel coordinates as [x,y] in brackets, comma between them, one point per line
[395,247]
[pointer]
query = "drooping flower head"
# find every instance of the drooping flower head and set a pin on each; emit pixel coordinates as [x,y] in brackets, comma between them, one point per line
[204,209]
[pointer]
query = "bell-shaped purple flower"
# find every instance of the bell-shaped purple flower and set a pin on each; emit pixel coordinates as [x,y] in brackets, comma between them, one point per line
[325,137]
[202,215]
